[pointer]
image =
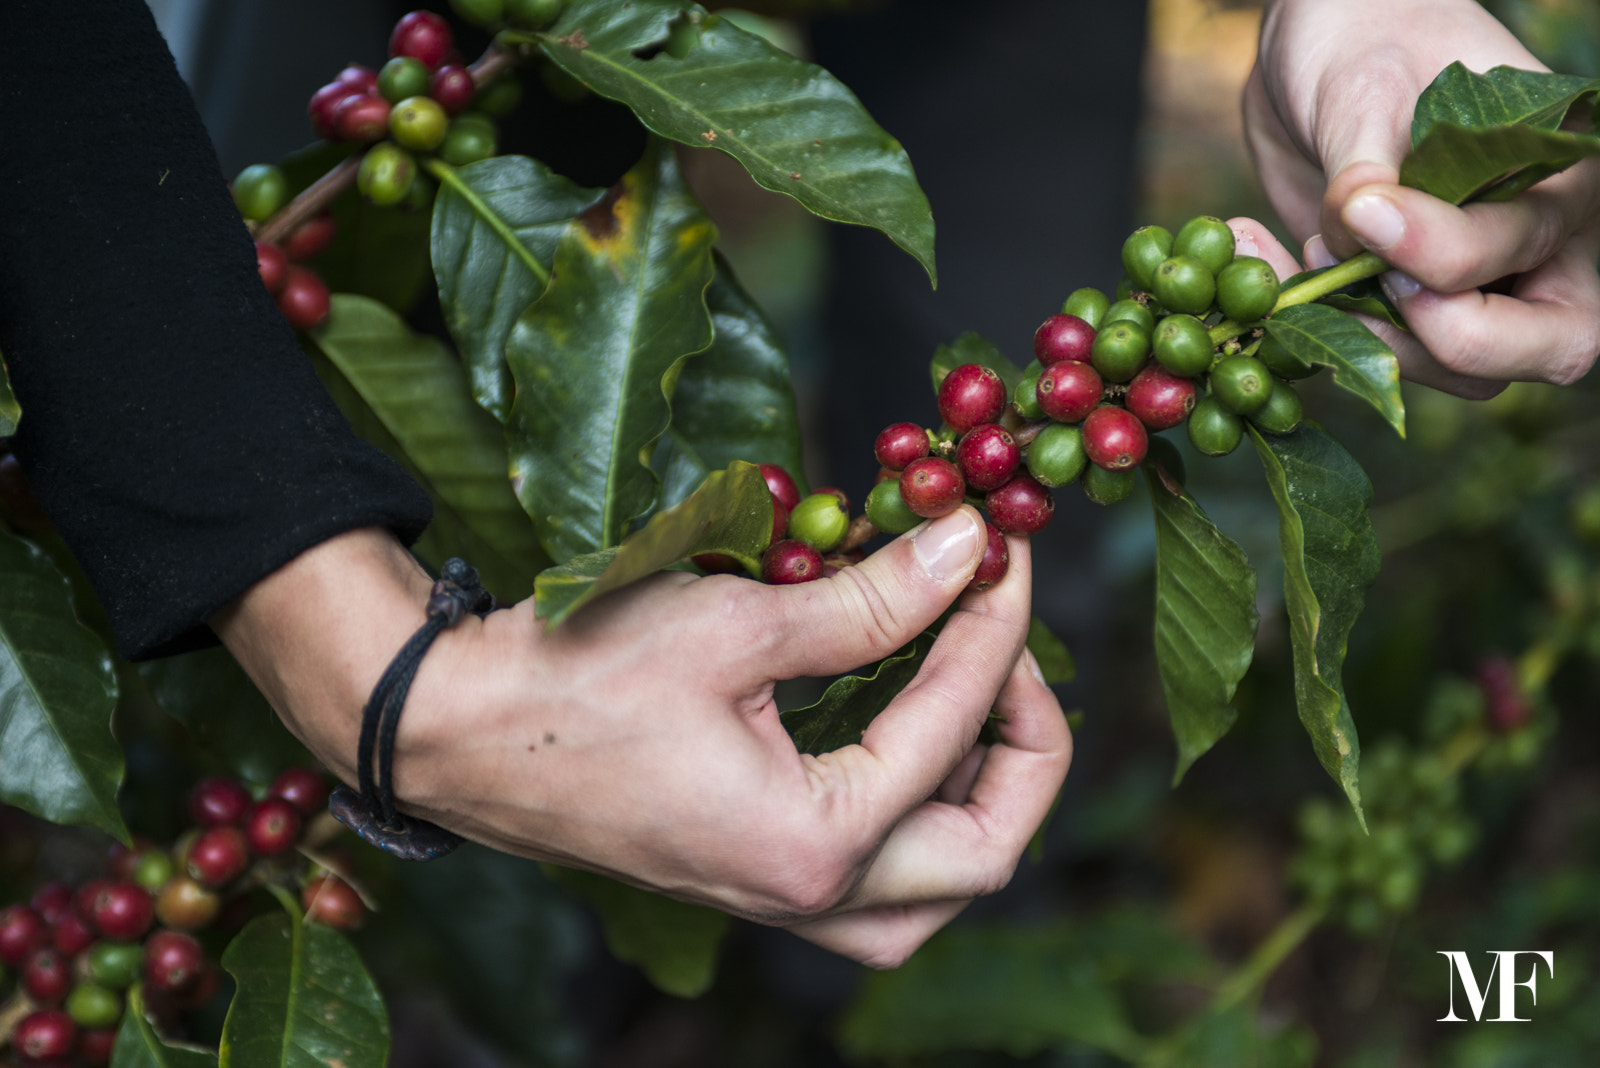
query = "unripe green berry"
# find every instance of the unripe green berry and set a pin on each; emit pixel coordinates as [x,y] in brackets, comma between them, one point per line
[1143,251]
[1184,284]
[1247,289]
[1025,398]
[1130,310]
[1120,350]
[1207,239]
[1241,383]
[92,1005]
[532,14]
[116,964]
[500,97]
[1182,345]
[1124,290]
[1107,487]
[402,77]
[468,142]
[420,196]
[820,521]
[418,123]
[887,510]
[1056,456]
[1088,304]
[152,869]
[259,191]
[386,174]
[1282,412]
[1213,429]
[484,13]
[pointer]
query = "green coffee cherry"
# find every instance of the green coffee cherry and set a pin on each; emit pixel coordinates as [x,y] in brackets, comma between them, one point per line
[1205,238]
[1025,398]
[152,869]
[1184,284]
[1124,290]
[386,174]
[1107,487]
[500,97]
[421,194]
[401,77]
[820,521]
[1120,350]
[1088,304]
[1283,363]
[532,14]
[116,964]
[484,13]
[1247,289]
[468,142]
[1131,310]
[1282,412]
[887,510]
[1056,456]
[1213,429]
[259,191]
[1143,252]
[1182,345]
[92,1005]
[1163,452]
[1242,384]
[418,123]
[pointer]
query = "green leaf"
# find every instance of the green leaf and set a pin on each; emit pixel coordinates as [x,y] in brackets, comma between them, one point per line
[138,1045]
[1365,295]
[1330,557]
[793,126]
[673,943]
[1456,164]
[1362,364]
[851,703]
[303,999]
[1501,97]
[10,410]
[493,230]
[209,693]
[57,692]
[971,348]
[734,401]
[731,513]
[1055,659]
[1205,629]
[597,357]
[419,393]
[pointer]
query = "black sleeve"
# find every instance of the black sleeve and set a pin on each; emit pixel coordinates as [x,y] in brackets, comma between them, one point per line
[171,426]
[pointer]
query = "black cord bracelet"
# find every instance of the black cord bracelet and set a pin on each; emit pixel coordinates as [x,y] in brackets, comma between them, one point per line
[371,812]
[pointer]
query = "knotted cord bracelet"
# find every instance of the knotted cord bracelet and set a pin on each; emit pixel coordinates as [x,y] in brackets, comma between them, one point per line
[371,812]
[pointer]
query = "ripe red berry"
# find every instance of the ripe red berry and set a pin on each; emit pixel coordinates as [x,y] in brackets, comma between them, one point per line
[932,487]
[45,1035]
[452,87]
[120,859]
[969,395]
[423,36]
[217,800]
[331,901]
[122,910]
[172,960]
[1114,438]
[780,520]
[22,930]
[186,905]
[996,560]
[900,443]
[1160,399]
[96,1043]
[273,266]
[302,788]
[1022,506]
[781,485]
[219,856]
[272,826]
[310,237]
[988,456]
[47,976]
[52,901]
[361,117]
[1063,337]
[1504,703]
[324,103]
[73,934]
[1069,390]
[83,900]
[788,562]
[362,79]
[304,300]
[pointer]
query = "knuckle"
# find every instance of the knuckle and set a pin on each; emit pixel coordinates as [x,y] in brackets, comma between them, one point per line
[803,872]
[1574,359]
[872,615]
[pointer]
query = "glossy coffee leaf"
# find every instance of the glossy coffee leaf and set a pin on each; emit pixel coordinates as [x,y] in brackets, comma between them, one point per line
[1205,629]
[796,128]
[1054,658]
[138,1045]
[57,692]
[10,410]
[731,513]
[303,999]
[1330,557]
[1502,96]
[419,393]
[209,693]
[673,943]
[494,235]
[734,401]
[596,358]
[1361,363]
[850,704]
[1456,164]
[972,348]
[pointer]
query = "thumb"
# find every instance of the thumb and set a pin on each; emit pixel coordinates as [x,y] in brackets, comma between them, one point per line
[1361,142]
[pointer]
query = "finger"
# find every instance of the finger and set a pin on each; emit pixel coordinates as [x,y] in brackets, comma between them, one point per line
[1252,238]
[956,787]
[1293,184]
[881,937]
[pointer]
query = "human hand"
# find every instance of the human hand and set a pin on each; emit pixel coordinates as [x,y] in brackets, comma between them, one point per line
[640,738]
[1492,292]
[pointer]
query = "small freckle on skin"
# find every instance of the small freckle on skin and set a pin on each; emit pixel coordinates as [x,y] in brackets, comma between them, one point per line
[549,739]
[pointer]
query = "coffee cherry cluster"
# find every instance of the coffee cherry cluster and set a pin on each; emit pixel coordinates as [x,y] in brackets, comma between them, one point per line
[809,534]
[75,950]
[258,192]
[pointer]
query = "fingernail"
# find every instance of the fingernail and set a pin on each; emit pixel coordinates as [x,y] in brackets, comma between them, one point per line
[1032,662]
[1400,285]
[1316,254]
[1244,244]
[1375,220]
[945,546]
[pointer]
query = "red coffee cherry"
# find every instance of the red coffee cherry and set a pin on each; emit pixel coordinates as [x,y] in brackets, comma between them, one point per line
[331,901]
[47,976]
[73,934]
[217,800]
[969,395]
[172,960]
[1114,438]
[310,237]
[988,456]
[52,901]
[324,103]
[1160,399]
[120,859]
[1069,390]
[272,265]
[452,87]
[362,118]
[780,520]
[423,36]
[788,562]
[122,910]
[900,443]
[272,826]
[186,905]
[357,77]
[782,486]
[219,856]
[1022,506]
[1063,337]
[304,300]
[96,1043]
[45,1035]
[22,930]
[996,560]
[932,487]
[1504,702]
[302,788]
